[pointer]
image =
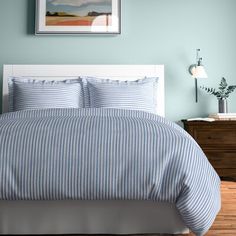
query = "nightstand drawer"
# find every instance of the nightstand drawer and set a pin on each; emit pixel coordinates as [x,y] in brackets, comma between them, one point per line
[215,136]
[226,160]
[229,174]
[224,163]
[218,141]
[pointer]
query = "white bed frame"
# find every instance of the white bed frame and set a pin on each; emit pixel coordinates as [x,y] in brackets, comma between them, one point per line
[88,217]
[60,72]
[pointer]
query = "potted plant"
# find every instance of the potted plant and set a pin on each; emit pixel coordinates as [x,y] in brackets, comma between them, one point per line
[222,94]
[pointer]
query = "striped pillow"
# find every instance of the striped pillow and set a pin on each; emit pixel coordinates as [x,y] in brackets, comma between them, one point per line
[134,95]
[27,93]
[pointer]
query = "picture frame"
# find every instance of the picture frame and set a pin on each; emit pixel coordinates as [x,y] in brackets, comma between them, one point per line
[78,17]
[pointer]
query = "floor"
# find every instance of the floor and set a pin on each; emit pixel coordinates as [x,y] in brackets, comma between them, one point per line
[225,223]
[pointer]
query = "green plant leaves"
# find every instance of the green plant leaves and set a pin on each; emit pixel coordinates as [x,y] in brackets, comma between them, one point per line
[224,89]
[223,84]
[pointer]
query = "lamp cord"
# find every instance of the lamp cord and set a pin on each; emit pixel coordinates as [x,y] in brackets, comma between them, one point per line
[196,90]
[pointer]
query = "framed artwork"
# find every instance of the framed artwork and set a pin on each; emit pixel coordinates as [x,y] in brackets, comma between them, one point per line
[78,17]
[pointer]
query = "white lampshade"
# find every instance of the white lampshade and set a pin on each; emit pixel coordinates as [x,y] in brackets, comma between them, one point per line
[199,72]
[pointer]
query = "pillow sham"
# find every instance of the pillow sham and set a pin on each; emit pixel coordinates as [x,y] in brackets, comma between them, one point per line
[135,95]
[27,93]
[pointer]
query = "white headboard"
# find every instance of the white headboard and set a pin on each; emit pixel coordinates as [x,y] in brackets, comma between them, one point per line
[61,72]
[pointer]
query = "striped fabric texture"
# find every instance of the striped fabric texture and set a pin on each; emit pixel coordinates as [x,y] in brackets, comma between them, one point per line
[135,95]
[89,154]
[26,93]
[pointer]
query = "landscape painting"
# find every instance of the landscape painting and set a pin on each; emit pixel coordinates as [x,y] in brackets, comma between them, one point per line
[78,16]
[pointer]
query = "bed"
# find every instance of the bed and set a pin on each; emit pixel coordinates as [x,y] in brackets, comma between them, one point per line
[130,213]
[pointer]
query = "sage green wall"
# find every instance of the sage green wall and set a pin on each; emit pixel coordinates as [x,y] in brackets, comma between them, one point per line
[153,32]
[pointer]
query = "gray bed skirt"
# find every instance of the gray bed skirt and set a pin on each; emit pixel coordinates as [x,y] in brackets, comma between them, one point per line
[89,217]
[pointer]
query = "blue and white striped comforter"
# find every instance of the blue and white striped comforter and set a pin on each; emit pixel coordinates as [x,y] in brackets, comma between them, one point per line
[56,154]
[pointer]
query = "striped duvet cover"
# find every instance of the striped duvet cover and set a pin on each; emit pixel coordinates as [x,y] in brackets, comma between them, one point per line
[56,154]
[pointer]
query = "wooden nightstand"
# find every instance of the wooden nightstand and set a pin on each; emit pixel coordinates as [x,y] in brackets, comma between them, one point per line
[218,141]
